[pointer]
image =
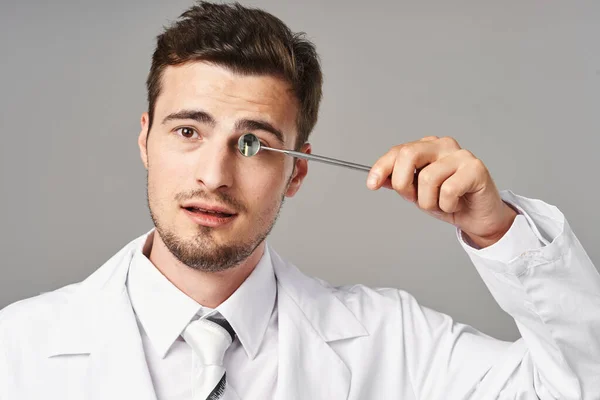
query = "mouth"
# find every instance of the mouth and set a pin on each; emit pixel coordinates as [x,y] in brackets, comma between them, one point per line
[208,218]
[198,210]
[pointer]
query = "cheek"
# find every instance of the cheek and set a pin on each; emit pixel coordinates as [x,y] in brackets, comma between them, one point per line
[265,189]
[156,189]
[164,173]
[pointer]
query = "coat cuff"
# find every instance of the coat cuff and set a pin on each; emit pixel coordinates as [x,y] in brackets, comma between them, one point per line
[536,235]
[523,235]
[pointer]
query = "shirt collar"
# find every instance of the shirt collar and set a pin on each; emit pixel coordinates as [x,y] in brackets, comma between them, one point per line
[250,307]
[164,311]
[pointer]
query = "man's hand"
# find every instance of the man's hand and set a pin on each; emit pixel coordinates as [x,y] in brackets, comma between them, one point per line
[447,182]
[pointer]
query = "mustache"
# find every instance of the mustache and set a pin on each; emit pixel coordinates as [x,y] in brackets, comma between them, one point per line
[219,197]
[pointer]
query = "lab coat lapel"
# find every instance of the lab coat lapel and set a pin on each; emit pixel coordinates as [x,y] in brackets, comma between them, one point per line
[100,321]
[310,317]
[118,368]
[308,367]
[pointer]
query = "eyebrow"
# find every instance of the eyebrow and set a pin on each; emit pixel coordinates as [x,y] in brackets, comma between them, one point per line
[196,115]
[258,125]
[241,125]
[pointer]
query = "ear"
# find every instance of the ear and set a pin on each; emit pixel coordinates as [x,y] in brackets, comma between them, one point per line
[300,172]
[143,138]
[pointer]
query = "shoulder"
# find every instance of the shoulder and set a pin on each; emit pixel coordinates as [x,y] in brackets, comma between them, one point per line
[386,297]
[354,293]
[379,303]
[390,313]
[44,310]
[365,302]
[35,313]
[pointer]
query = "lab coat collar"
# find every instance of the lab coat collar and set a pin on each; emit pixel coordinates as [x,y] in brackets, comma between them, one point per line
[311,316]
[99,321]
[327,315]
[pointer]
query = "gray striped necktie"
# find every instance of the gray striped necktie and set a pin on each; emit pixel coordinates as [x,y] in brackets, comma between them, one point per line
[209,338]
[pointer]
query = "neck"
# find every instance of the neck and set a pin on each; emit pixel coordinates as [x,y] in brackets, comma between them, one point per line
[208,289]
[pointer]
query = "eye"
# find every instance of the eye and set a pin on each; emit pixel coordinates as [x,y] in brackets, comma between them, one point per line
[262,141]
[187,132]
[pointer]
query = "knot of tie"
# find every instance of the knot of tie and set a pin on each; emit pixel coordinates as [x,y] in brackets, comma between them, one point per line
[209,338]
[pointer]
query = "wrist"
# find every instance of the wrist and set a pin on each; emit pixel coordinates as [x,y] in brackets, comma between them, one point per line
[507,221]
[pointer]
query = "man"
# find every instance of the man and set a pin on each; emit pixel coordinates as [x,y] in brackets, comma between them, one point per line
[202,308]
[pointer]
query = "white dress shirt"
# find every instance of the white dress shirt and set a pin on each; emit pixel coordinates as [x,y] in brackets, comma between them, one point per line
[163,312]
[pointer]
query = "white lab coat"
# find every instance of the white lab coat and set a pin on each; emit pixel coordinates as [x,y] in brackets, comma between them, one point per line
[82,341]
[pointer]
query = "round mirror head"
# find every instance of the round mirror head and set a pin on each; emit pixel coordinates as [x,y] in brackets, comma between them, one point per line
[248,144]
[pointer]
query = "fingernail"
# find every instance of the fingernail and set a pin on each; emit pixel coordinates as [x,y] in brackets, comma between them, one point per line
[372,181]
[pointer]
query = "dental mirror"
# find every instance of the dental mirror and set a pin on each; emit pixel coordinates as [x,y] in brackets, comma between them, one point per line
[249,145]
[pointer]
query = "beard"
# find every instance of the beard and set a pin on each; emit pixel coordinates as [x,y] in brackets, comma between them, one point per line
[202,252]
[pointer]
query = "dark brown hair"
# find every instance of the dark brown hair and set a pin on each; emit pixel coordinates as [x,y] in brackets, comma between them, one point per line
[247,41]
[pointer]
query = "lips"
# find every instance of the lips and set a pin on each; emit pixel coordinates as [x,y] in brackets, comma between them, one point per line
[215,209]
[209,217]
[209,211]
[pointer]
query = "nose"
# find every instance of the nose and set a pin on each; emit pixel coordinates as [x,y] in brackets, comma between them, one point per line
[215,167]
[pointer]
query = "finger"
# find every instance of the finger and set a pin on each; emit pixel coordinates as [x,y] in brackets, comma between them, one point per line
[467,179]
[380,171]
[431,178]
[412,158]
[409,159]
[387,183]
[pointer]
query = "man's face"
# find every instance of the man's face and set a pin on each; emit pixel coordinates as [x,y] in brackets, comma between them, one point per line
[194,166]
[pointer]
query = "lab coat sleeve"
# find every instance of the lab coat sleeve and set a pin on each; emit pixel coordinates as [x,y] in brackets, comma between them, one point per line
[540,274]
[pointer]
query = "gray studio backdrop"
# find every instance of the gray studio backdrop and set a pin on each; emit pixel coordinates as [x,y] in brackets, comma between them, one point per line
[516,82]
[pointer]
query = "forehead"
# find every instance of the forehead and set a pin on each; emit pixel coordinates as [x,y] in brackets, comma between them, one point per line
[227,95]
